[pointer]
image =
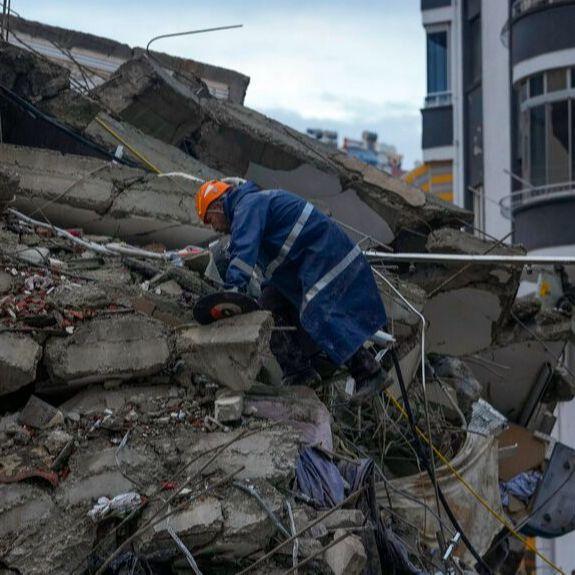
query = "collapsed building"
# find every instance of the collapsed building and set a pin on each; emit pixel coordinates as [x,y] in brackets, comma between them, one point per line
[134,440]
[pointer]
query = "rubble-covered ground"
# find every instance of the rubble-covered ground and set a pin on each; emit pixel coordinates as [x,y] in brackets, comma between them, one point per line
[133,440]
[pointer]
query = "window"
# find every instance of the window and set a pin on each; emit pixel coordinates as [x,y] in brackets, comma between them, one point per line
[523,91]
[537,148]
[556,80]
[437,62]
[475,56]
[558,142]
[536,86]
[545,152]
[572,105]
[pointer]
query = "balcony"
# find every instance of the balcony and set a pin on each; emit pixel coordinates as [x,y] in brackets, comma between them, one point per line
[543,216]
[530,196]
[521,6]
[438,99]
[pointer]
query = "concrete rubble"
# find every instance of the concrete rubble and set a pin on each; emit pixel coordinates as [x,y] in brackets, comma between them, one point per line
[133,438]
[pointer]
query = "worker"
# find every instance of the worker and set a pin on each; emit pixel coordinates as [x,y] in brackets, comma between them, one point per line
[314,278]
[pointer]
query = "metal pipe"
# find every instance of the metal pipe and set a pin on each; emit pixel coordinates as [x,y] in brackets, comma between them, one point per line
[470,258]
[191,32]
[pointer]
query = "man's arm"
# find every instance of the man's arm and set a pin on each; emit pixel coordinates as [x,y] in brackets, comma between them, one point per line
[248,225]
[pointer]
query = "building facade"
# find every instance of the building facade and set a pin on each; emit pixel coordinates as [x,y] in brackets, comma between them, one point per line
[500,112]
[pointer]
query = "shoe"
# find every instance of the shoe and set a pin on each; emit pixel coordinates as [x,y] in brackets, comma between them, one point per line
[308,377]
[368,388]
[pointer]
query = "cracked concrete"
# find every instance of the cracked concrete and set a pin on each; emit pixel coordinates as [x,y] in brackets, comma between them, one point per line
[238,141]
[102,198]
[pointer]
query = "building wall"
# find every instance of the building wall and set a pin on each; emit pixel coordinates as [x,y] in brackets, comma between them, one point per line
[496,116]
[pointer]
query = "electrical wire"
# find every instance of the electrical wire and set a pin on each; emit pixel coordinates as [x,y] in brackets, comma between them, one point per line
[470,489]
[426,463]
[17,100]
[423,385]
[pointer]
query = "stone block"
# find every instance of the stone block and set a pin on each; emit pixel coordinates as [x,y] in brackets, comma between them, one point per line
[120,347]
[40,415]
[348,557]
[229,408]
[268,454]
[22,505]
[19,357]
[247,527]
[196,526]
[228,351]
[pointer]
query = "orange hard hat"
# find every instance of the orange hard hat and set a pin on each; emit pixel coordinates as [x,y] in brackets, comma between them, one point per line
[209,193]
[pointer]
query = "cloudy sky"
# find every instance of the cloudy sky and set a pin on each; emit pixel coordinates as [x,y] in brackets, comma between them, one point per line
[334,64]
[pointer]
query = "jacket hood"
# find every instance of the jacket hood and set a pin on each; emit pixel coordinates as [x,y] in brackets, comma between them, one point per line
[235,196]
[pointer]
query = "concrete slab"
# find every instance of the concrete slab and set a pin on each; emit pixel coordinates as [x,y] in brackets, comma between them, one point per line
[109,348]
[236,140]
[19,357]
[267,454]
[228,351]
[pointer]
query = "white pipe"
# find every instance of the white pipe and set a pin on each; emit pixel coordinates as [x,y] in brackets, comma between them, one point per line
[109,250]
[181,175]
[470,258]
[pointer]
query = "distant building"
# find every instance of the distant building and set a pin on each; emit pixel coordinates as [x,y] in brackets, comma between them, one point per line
[499,119]
[382,156]
[327,137]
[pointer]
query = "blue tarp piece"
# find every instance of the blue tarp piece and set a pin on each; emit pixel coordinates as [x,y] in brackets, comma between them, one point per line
[522,486]
[319,478]
[309,259]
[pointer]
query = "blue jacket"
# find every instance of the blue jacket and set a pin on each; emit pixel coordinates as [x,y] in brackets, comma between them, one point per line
[310,260]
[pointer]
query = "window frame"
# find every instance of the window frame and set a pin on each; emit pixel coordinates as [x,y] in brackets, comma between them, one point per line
[434,29]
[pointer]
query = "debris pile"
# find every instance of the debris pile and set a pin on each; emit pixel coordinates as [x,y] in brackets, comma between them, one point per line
[134,440]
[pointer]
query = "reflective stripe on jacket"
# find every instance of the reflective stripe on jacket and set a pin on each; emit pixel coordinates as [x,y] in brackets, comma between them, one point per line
[310,260]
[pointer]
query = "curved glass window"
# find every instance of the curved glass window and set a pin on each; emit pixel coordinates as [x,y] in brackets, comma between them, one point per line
[546,122]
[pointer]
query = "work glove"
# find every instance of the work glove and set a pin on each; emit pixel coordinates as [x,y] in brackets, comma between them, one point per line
[234,181]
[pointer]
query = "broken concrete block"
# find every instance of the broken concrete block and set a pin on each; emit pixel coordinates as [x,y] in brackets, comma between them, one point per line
[119,347]
[5,282]
[348,557]
[196,526]
[171,288]
[229,408]
[40,415]
[228,351]
[36,256]
[22,505]
[166,158]
[297,405]
[467,305]
[95,473]
[268,454]
[103,198]
[19,357]
[78,296]
[56,441]
[247,527]
[239,141]
[96,399]
[343,518]
[459,378]
[33,78]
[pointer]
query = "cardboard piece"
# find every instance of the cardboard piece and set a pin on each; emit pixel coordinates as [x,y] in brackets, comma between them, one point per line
[529,453]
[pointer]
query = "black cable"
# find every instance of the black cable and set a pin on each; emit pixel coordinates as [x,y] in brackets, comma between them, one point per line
[17,100]
[481,566]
